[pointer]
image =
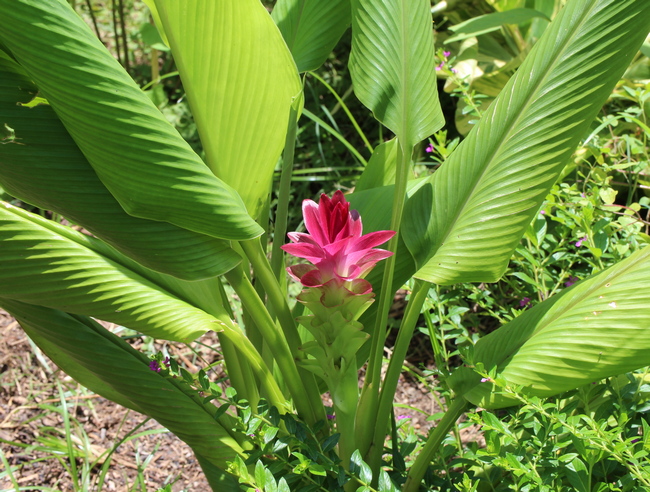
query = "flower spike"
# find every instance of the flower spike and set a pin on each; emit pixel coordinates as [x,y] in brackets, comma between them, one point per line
[334,243]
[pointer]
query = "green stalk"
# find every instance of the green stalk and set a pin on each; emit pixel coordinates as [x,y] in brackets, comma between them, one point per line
[282,212]
[345,108]
[264,273]
[277,343]
[370,393]
[336,135]
[345,397]
[240,373]
[419,468]
[244,347]
[385,406]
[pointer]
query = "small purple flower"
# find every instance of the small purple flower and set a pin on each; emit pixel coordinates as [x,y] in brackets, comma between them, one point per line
[634,441]
[580,241]
[154,366]
[453,70]
[429,149]
[485,380]
[439,67]
[330,417]
[582,195]
[402,417]
[571,280]
[166,361]
[447,54]
[524,302]
[542,212]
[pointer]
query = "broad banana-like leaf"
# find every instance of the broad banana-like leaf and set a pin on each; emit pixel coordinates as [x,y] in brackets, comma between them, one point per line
[392,65]
[598,328]
[311,28]
[381,168]
[240,80]
[463,225]
[44,167]
[45,263]
[138,155]
[109,366]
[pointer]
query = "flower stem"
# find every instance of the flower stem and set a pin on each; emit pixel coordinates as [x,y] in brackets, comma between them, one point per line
[370,392]
[407,327]
[345,396]
[419,468]
[282,211]
[244,346]
[255,253]
[277,343]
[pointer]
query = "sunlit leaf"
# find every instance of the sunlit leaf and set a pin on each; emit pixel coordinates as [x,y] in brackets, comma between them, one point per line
[109,366]
[240,80]
[44,263]
[463,225]
[392,65]
[46,168]
[137,154]
[598,328]
[311,28]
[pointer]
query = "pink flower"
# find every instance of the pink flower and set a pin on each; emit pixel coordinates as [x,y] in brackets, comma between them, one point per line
[572,280]
[524,302]
[335,245]
[446,54]
[154,366]
[580,241]
[429,149]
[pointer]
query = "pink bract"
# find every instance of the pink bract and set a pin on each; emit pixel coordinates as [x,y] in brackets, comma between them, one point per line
[334,244]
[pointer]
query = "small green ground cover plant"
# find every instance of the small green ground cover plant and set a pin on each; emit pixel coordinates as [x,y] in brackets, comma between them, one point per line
[174,231]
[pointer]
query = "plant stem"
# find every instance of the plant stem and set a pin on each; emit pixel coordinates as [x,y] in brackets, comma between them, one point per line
[240,373]
[419,468]
[244,346]
[385,406]
[370,392]
[263,272]
[116,35]
[91,12]
[277,343]
[124,42]
[336,135]
[282,211]
[345,396]
[345,108]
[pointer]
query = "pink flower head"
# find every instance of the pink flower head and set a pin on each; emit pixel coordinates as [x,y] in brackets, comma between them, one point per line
[580,241]
[524,302]
[429,149]
[334,246]
[446,54]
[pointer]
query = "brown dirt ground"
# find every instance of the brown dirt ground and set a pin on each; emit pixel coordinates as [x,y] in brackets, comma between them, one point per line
[28,385]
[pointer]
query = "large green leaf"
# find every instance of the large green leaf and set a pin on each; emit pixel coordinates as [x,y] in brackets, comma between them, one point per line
[46,168]
[240,80]
[598,328]
[381,168]
[44,263]
[464,224]
[140,158]
[393,66]
[311,28]
[110,367]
